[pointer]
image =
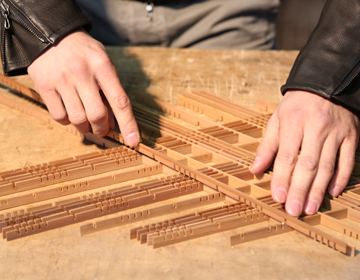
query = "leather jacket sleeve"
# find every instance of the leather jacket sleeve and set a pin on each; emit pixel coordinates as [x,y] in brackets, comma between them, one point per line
[28,27]
[329,64]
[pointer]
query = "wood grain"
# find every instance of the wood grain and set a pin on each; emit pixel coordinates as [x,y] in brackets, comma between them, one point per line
[108,254]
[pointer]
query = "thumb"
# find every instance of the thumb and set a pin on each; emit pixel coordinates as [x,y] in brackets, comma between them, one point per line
[268,147]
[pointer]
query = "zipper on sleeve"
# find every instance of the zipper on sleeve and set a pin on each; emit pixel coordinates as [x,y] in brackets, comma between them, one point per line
[4,27]
[5,12]
[11,12]
[349,79]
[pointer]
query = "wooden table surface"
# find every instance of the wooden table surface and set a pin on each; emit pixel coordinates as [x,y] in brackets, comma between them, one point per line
[239,76]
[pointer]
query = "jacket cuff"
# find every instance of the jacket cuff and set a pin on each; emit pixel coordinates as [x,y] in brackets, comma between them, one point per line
[329,64]
[34,26]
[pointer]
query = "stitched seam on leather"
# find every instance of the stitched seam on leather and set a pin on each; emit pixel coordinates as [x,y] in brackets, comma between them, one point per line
[306,84]
[83,20]
[347,74]
[27,60]
[18,62]
[38,29]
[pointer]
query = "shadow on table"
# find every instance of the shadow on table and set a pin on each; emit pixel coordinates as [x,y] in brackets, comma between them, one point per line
[135,83]
[132,77]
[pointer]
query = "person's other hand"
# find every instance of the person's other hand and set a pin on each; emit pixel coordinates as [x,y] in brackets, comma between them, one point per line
[318,128]
[69,77]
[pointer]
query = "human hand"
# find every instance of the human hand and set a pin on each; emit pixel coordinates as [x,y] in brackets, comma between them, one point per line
[69,77]
[321,130]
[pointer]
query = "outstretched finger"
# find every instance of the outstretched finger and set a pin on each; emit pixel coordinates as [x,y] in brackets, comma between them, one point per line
[323,176]
[95,109]
[268,147]
[290,138]
[75,109]
[305,169]
[120,104]
[345,166]
[55,106]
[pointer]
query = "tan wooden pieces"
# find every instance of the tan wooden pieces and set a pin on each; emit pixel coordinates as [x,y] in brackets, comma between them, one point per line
[50,173]
[220,109]
[274,213]
[80,186]
[20,88]
[215,152]
[151,213]
[256,234]
[197,225]
[44,116]
[21,224]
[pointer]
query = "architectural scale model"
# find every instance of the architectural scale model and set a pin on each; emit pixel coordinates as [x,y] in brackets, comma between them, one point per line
[197,153]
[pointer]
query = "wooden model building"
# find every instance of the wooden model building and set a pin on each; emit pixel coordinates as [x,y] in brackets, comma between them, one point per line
[199,161]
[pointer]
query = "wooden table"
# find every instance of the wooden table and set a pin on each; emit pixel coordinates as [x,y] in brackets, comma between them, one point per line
[239,76]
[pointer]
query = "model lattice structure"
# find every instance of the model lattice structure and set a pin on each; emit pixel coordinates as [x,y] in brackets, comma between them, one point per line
[194,154]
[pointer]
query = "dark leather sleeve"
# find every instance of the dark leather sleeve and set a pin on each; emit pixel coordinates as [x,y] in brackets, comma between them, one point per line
[34,26]
[329,64]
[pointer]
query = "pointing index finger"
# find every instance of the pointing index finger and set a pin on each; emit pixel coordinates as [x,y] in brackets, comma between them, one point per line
[120,104]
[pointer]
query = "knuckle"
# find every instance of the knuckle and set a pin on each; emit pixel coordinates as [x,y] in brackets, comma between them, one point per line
[97,47]
[280,180]
[59,116]
[61,76]
[308,163]
[327,165]
[78,119]
[352,134]
[121,101]
[318,192]
[342,181]
[262,146]
[79,68]
[101,132]
[294,116]
[103,61]
[299,193]
[44,88]
[323,119]
[97,116]
[287,158]
[49,81]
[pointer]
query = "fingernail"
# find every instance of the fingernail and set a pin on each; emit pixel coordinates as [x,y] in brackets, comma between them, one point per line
[132,139]
[255,163]
[281,194]
[295,208]
[336,191]
[311,207]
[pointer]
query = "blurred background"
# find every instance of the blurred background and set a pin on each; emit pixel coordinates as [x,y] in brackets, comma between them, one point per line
[296,20]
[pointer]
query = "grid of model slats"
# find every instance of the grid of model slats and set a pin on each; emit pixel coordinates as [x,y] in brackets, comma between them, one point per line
[217,151]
